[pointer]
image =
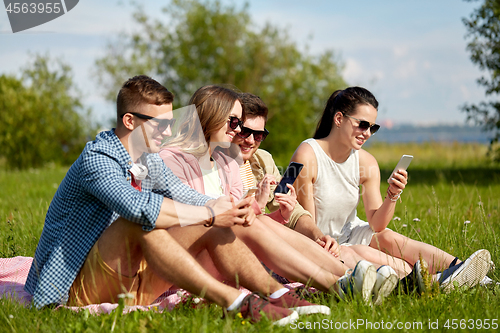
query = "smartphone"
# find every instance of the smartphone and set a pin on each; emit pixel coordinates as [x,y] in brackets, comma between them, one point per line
[251,191]
[291,173]
[403,164]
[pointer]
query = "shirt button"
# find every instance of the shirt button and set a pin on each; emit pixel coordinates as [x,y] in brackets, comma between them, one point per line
[128,178]
[129,162]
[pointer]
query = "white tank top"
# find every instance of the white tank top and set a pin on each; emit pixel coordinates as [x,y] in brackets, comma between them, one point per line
[336,191]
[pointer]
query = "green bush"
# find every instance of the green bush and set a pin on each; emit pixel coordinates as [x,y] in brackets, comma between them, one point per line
[42,117]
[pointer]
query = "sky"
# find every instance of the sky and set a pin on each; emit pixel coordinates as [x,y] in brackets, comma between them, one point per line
[410,54]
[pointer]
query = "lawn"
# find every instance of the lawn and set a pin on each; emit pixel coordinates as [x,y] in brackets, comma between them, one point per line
[452,201]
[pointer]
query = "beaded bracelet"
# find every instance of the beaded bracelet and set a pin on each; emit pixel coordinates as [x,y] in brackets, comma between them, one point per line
[212,217]
[393,197]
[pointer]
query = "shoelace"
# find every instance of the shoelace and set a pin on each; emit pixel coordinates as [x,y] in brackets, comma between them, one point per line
[449,271]
[302,292]
[453,263]
[250,300]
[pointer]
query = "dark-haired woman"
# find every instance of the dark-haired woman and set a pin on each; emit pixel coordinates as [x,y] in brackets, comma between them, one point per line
[335,165]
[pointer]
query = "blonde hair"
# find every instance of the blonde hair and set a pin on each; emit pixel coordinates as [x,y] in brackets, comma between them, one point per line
[214,104]
[189,135]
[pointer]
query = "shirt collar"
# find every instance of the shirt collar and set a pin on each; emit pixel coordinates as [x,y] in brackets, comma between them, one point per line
[122,154]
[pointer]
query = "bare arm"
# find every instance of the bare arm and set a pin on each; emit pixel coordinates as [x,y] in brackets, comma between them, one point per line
[378,212]
[304,182]
[227,213]
[306,226]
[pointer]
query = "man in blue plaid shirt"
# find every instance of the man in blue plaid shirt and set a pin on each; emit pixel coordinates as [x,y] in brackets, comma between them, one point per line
[112,227]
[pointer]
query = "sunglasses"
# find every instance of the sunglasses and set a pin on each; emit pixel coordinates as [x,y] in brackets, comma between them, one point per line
[162,124]
[234,122]
[364,125]
[258,136]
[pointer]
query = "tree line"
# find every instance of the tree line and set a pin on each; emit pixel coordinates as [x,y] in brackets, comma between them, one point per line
[197,43]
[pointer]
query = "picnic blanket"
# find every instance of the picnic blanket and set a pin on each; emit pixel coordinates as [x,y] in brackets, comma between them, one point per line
[14,272]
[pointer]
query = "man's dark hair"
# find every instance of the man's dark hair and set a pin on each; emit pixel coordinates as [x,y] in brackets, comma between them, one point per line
[254,106]
[140,90]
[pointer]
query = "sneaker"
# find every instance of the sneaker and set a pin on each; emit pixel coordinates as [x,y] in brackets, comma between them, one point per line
[386,281]
[422,276]
[419,279]
[254,306]
[294,301]
[469,272]
[359,280]
[487,280]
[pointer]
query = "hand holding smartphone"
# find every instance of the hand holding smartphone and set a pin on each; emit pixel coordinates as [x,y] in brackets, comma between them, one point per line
[251,191]
[291,173]
[403,164]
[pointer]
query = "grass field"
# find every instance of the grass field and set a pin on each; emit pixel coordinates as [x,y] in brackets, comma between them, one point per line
[449,185]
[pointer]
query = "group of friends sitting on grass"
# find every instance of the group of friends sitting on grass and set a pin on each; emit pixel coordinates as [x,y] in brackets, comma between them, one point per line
[158,203]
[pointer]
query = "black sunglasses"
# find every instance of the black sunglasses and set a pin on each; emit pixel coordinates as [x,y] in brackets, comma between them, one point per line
[162,123]
[258,136]
[364,125]
[234,122]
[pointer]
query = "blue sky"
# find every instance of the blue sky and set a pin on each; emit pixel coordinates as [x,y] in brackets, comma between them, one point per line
[410,54]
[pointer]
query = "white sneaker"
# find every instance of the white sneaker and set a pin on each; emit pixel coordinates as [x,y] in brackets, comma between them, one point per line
[360,280]
[469,272]
[387,279]
[487,280]
[421,272]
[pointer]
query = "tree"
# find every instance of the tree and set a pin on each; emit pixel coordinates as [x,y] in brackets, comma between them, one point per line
[205,42]
[42,119]
[483,27]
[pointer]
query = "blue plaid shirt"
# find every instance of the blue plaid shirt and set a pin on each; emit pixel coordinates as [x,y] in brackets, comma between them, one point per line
[94,192]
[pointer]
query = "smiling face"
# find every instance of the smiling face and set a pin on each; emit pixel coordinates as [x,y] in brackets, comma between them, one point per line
[225,135]
[148,134]
[249,146]
[352,135]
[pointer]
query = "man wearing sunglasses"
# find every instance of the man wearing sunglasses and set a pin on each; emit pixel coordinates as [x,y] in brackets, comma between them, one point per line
[112,229]
[153,129]
[258,163]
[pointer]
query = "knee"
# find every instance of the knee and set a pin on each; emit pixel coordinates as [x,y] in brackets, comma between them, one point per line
[259,226]
[390,237]
[221,235]
[251,233]
[347,250]
[386,234]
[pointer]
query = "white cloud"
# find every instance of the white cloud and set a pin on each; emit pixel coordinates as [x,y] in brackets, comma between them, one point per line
[353,70]
[406,69]
[400,51]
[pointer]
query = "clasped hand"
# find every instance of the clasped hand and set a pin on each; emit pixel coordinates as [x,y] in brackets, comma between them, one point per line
[228,213]
[329,244]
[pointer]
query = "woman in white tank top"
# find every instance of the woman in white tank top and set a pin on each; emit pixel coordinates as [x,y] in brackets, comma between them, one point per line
[335,165]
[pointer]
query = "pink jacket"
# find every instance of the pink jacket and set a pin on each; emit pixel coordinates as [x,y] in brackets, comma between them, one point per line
[187,168]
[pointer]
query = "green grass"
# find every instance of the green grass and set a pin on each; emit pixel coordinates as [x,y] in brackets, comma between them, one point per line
[449,184]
